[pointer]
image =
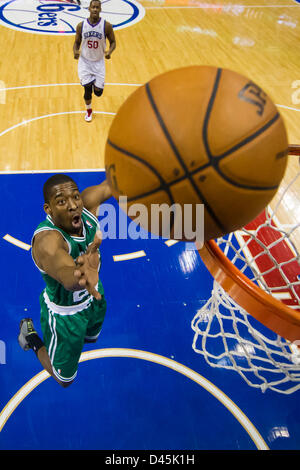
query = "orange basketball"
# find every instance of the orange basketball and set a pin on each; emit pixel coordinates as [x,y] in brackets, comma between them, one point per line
[198,135]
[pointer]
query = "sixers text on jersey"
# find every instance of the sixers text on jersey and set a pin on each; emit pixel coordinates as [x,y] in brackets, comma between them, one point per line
[93,34]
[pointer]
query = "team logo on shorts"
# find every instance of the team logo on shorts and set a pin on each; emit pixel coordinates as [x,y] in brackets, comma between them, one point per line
[58,17]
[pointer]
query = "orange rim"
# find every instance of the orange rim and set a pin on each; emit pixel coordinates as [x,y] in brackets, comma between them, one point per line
[269,311]
[294,149]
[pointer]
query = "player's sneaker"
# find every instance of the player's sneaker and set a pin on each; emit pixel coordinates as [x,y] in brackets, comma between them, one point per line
[88,115]
[26,328]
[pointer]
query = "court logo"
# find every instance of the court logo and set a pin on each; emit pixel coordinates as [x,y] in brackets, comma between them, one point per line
[296,93]
[47,17]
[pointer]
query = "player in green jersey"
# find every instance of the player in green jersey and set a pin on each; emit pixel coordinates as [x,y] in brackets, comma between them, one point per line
[65,248]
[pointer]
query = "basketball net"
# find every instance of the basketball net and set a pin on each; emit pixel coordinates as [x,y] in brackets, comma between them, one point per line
[238,335]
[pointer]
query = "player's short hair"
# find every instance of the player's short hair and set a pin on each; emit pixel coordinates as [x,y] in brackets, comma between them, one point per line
[95,1]
[54,180]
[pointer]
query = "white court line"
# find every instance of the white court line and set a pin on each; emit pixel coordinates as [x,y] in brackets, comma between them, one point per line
[63,84]
[171,242]
[151,357]
[226,8]
[37,172]
[115,84]
[17,242]
[27,121]
[287,107]
[127,256]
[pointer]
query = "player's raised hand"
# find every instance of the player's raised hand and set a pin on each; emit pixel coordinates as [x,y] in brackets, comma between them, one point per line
[86,271]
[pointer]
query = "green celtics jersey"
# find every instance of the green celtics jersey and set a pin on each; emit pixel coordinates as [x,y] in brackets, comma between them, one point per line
[55,294]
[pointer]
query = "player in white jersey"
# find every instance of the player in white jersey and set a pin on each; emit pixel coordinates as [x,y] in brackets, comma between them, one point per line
[91,36]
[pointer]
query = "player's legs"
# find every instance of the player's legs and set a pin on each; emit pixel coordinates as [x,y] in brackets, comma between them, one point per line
[88,90]
[29,339]
[44,359]
[63,335]
[96,317]
[99,71]
[87,79]
[91,73]
[97,91]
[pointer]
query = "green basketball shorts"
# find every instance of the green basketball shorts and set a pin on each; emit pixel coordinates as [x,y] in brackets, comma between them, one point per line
[66,328]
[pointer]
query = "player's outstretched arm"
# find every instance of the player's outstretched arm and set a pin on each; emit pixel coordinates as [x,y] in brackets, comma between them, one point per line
[93,196]
[50,253]
[87,267]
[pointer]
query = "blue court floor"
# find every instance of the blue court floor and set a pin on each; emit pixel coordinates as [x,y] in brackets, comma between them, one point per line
[141,386]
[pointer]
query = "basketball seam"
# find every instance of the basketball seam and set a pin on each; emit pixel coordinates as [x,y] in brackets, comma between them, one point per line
[249,138]
[215,159]
[163,187]
[244,142]
[207,114]
[179,158]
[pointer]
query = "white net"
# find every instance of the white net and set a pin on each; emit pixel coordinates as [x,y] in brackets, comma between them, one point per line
[267,252]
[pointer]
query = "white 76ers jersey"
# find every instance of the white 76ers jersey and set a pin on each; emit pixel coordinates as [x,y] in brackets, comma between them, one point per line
[93,40]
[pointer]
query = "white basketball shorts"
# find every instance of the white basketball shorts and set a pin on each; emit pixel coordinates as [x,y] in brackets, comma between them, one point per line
[91,71]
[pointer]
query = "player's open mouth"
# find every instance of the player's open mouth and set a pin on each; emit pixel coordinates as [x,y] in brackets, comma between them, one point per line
[76,221]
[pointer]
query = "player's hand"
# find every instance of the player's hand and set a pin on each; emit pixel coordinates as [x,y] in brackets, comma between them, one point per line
[86,271]
[107,55]
[76,55]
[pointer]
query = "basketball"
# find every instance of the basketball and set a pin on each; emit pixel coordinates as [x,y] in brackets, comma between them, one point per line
[197,135]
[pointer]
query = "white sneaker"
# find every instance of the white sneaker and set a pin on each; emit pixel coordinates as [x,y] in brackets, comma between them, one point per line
[88,116]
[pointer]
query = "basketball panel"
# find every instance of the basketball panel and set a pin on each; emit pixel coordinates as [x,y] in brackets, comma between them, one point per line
[262,162]
[184,193]
[240,108]
[136,129]
[127,175]
[233,206]
[181,97]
